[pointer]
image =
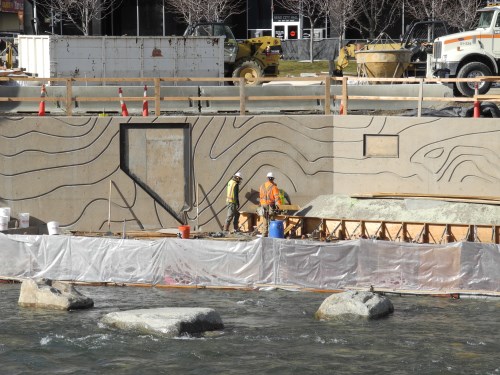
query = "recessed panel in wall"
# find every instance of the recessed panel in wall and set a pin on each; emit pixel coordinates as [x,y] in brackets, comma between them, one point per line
[157,157]
[382,146]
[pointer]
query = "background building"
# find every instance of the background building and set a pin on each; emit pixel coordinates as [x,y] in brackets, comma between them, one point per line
[11,16]
[153,17]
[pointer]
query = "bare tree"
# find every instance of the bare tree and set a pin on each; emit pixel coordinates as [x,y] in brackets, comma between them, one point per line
[465,13]
[81,12]
[220,10]
[313,10]
[376,16]
[341,13]
[427,9]
[193,11]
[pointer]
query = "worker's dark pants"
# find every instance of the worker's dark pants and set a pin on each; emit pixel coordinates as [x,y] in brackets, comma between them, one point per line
[269,214]
[232,215]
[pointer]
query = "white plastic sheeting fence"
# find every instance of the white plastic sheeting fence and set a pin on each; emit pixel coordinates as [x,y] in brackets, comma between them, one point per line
[361,263]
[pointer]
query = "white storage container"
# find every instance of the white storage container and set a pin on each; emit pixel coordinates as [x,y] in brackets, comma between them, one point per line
[52,56]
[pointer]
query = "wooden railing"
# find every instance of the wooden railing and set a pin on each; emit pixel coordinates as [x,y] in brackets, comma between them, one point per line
[331,229]
[243,98]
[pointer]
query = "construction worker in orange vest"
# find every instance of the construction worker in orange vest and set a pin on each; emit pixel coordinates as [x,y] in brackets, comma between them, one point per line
[269,202]
[233,202]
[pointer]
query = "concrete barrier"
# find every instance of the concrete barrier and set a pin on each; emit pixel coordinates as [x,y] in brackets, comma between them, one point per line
[223,106]
[134,107]
[263,106]
[395,90]
[31,107]
[96,107]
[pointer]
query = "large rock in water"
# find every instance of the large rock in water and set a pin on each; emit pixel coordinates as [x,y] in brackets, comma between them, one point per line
[365,304]
[167,321]
[57,295]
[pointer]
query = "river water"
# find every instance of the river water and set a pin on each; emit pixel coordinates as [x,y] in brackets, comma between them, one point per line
[266,332]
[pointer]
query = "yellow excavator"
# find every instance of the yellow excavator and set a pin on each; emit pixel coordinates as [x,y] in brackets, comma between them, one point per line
[7,54]
[251,58]
[418,39]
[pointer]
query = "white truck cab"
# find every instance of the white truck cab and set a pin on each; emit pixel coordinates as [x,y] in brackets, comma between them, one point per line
[470,54]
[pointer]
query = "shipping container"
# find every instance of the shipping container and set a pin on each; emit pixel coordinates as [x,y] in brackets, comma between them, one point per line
[56,56]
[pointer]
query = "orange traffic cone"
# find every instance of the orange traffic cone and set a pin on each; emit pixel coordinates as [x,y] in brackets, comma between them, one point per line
[477,105]
[145,107]
[41,107]
[124,106]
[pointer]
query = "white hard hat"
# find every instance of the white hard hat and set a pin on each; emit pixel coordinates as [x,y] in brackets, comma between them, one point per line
[238,174]
[270,175]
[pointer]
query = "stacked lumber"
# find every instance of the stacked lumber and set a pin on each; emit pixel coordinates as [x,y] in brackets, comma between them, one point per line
[17,72]
[448,198]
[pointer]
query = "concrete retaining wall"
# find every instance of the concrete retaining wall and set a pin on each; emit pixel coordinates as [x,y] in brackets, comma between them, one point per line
[60,168]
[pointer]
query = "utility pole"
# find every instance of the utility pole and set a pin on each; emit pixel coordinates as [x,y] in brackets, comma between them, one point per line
[403,20]
[35,22]
[163,16]
[137,15]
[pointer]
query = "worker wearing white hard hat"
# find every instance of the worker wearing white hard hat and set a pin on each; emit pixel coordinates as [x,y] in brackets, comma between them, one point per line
[233,202]
[269,202]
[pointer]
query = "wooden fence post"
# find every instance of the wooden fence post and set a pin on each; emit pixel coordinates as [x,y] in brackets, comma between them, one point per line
[157,97]
[69,97]
[242,97]
[420,97]
[344,95]
[327,95]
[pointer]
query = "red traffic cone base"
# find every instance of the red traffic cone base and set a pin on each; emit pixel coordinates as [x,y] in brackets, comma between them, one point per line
[145,106]
[41,107]
[122,103]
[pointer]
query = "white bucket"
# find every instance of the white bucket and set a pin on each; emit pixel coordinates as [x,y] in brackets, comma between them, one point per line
[5,211]
[24,220]
[4,222]
[53,227]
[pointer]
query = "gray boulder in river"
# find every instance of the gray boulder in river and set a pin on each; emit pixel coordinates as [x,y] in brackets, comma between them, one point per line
[166,321]
[364,304]
[49,294]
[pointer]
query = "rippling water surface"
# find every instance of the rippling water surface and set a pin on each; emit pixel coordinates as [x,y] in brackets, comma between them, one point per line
[270,332]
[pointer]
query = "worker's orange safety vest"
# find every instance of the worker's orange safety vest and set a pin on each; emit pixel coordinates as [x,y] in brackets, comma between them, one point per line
[269,194]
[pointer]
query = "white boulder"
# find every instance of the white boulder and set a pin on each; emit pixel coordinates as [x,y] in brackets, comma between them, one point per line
[49,294]
[167,321]
[365,304]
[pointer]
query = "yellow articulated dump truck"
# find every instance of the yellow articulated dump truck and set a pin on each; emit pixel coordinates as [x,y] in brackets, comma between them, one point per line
[251,58]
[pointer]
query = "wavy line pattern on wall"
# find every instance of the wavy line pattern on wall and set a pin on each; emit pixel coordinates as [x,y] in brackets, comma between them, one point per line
[436,156]
[59,168]
[298,152]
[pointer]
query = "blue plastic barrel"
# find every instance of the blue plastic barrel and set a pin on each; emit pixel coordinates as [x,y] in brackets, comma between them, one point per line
[276,229]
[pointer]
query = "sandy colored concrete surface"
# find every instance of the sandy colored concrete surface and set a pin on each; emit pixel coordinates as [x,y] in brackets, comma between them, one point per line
[410,210]
[132,173]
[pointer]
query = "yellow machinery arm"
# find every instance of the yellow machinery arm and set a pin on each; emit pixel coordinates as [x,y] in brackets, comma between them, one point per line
[8,52]
[345,53]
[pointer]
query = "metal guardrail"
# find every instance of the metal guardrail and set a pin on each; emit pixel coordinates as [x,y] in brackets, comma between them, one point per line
[243,98]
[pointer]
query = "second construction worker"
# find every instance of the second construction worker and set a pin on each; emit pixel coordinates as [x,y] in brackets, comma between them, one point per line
[233,202]
[269,202]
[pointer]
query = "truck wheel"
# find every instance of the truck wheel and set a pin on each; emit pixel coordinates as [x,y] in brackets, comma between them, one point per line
[248,70]
[473,70]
